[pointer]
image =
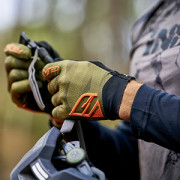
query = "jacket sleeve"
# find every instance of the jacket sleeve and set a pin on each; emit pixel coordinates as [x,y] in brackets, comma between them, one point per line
[155,117]
[113,151]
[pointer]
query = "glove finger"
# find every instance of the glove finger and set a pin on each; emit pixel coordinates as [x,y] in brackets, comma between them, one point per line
[20,74]
[18,50]
[14,63]
[53,85]
[56,99]
[57,123]
[51,70]
[19,91]
[60,113]
[16,75]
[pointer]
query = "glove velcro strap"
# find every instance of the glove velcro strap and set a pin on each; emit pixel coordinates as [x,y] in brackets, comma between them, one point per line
[112,94]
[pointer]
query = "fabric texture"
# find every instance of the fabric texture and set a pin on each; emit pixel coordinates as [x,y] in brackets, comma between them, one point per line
[156,62]
[115,152]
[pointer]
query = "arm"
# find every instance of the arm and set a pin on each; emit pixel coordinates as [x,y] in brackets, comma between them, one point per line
[89,90]
[154,115]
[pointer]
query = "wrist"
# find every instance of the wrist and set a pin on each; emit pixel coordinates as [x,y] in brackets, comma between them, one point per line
[113,92]
[128,99]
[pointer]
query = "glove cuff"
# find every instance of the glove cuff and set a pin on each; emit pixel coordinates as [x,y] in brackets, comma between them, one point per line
[112,94]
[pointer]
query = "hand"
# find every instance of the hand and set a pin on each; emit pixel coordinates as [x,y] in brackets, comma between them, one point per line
[86,90]
[17,62]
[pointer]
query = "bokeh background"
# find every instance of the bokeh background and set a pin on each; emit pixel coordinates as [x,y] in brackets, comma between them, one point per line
[77,29]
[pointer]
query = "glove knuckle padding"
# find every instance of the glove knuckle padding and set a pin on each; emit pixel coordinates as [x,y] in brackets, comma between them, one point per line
[18,50]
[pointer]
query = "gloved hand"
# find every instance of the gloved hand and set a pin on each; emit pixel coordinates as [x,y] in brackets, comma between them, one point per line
[84,90]
[17,62]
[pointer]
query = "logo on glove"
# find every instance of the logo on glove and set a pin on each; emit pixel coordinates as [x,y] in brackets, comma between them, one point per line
[50,70]
[13,48]
[88,109]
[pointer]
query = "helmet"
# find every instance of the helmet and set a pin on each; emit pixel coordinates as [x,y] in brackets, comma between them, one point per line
[52,161]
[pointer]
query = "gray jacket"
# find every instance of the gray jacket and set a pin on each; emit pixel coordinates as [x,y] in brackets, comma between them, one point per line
[156,61]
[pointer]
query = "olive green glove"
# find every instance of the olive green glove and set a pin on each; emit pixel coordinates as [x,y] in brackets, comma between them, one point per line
[17,62]
[84,90]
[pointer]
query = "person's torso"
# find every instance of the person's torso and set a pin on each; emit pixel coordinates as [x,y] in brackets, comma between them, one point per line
[156,62]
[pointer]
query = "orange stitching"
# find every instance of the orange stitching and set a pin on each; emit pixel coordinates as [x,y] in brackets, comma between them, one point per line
[94,112]
[13,48]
